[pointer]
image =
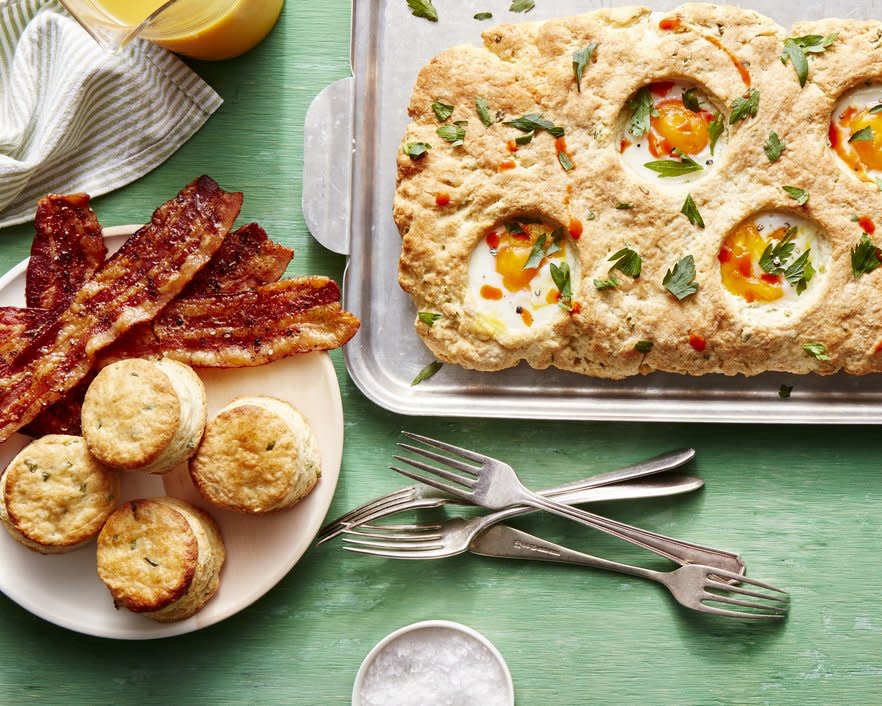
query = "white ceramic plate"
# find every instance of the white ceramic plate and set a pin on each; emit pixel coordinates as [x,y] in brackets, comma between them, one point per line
[64,589]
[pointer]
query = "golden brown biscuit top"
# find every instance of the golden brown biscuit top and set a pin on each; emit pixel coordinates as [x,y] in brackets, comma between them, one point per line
[147,555]
[57,493]
[130,413]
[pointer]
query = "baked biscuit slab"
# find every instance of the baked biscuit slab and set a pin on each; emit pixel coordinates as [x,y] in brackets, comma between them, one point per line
[258,455]
[55,496]
[161,557]
[144,415]
[566,169]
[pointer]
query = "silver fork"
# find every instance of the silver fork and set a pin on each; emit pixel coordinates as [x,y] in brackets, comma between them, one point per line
[418,497]
[694,586]
[494,484]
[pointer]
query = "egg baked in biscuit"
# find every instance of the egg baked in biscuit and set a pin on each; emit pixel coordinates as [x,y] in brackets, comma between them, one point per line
[144,415]
[625,191]
[55,496]
[258,455]
[161,557]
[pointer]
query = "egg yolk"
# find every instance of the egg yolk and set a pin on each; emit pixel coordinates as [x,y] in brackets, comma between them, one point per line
[739,264]
[869,151]
[683,129]
[510,260]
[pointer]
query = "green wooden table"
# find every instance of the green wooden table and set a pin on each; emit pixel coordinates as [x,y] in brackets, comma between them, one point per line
[802,505]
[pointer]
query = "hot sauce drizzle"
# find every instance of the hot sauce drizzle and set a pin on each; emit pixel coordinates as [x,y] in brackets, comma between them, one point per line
[867,225]
[697,342]
[675,24]
[442,198]
[560,145]
[507,164]
[489,292]
[575,228]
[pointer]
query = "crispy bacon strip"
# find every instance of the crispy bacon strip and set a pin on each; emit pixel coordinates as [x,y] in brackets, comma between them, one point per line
[68,249]
[150,269]
[244,329]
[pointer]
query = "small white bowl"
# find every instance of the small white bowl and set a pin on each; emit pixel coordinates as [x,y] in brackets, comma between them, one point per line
[435,631]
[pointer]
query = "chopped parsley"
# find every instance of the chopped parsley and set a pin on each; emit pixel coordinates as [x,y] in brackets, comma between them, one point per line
[816,350]
[800,272]
[429,317]
[560,275]
[776,255]
[627,261]
[565,161]
[416,150]
[865,134]
[543,247]
[581,59]
[674,167]
[744,107]
[690,100]
[643,347]
[690,210]
[774,147]
[483,16]
[454,134]
[643,109]
[442,110]
[624,206]
[525,139]
[533,122]
[796,48]
[680,281]
[801,196]
[784,391]
[864,257]
[427,372]
[609,283]
[521,5]
[424,9]
[483,111]
[715,130]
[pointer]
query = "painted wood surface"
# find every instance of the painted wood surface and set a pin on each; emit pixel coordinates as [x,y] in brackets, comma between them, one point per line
[802,505]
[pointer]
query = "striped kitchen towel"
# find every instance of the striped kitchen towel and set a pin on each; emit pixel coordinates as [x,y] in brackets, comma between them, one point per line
[75,118]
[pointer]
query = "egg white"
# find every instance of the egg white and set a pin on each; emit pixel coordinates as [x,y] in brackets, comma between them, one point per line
[637,154]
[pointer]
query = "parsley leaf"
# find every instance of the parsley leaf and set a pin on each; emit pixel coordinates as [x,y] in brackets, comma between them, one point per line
[628,262]
[581,59]
[818,350]
[643,347]
[863,135]
[521,5]
[608,283]
[536,254]
[624,206]
[643,109]
[427,372]
[565,161]
[483,111]
[690,100]
[776,255]
[442,110]
[864,257]
[560,275]
[744,107]
[423,8]
[800,272]
[774,147]
[784,391]
[454,134]
[429,317]
[801,196]
[416,150]
[525,139]
[690,210]
[673,167]
[533,122]
[796,48]
[715,130]
[680,281]
[483,16]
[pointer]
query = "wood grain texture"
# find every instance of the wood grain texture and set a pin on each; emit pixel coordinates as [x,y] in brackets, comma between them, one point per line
[801,504]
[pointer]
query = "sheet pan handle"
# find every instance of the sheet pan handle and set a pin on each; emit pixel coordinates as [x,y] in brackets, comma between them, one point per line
[327,165]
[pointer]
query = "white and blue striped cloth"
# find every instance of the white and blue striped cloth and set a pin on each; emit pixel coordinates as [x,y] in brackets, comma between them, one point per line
[75,118]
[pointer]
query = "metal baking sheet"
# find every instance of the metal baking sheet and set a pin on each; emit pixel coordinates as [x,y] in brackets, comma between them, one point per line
[352,133]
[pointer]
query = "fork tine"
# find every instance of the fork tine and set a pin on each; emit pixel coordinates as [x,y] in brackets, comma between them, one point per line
[741,614]
[740,578]
[390,554]
[354,516]
[399,546]
[403,536]
[458,491]
[460,465]
[450,448]
[730,588]
[395,528]
[443,473]
[761,608]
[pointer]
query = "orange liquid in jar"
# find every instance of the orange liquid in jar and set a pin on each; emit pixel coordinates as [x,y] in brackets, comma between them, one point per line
[224,28]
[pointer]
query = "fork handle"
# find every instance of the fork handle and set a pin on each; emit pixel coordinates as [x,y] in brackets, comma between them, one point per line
[676,550]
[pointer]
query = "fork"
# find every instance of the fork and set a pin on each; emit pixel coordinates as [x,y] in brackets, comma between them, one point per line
[494,484]
[417,497]
[692,585]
